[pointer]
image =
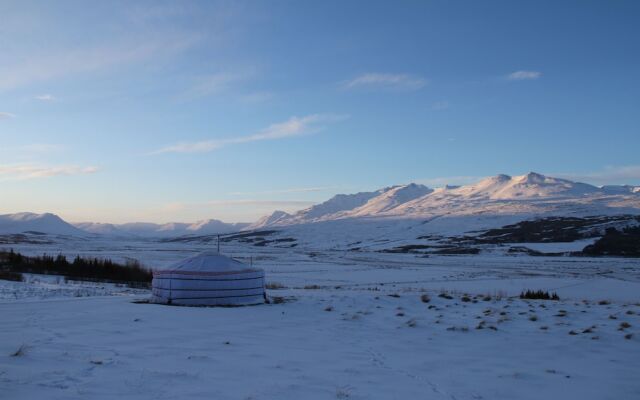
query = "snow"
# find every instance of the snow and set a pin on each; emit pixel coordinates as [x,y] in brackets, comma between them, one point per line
[145,229]
[368,345]
[350,322]
[391,199]
[39,287]
[445,211]
[525,195]
[46,223]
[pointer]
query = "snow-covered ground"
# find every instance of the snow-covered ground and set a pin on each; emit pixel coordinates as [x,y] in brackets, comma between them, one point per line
[40,287]
[353,326]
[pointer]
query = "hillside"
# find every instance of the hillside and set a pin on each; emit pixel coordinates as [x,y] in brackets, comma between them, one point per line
[532,194]
[36,223]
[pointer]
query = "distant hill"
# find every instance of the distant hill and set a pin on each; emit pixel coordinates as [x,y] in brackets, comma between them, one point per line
[37,223]
[147,229]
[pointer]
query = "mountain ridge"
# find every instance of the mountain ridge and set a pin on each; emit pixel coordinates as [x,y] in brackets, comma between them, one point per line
[501,194]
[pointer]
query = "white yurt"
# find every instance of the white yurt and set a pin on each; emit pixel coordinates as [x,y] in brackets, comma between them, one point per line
[209,279]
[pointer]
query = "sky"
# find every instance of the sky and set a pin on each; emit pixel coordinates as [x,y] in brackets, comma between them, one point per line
[181,111]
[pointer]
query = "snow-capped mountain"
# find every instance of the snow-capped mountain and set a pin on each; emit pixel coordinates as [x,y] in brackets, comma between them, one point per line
[347,205]
[100,228]
[272,219]
[531,185]
[212,226]
[37,223]
[388,212]
[391,198]
[147,229]
[532,194]
[52,224]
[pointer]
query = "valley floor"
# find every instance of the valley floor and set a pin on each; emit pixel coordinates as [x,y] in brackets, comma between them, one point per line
[352,326]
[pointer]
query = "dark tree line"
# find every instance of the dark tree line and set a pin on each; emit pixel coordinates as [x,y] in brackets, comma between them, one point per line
[102,270]
[625,242]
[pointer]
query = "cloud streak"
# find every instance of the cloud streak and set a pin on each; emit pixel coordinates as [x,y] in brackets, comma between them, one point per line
[26,172]
[285,191]
[45,97]
[609,175]
[262,203]
[294,126]
[524,75]
[450,180]
[45,66]
[387,81]
[214,84]
[6,115]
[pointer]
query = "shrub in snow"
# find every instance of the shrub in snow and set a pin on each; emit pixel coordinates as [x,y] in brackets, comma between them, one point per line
[274,285]
[11,276]
[539,295]
[20,352]
[624,325]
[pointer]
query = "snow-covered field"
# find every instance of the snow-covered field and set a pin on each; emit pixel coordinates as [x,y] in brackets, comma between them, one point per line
[353,326]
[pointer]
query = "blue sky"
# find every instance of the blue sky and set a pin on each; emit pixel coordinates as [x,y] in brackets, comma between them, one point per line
[180,111]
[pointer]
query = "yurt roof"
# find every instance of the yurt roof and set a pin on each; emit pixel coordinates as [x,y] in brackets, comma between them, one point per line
[210,261]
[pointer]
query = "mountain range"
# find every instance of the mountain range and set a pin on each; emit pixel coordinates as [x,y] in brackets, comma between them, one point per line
[52,224]
[497,198]
[532,193]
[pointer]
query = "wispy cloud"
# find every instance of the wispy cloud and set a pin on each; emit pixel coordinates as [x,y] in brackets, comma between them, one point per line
[24,172]
[450,180]
[628,174]
[285,191]
[56,64]
[256,97]
[263,203]
[248,209]
[524,75]
[6,115]
[294,126]
[214,84]
[45,97]
[387,81]
[440,105]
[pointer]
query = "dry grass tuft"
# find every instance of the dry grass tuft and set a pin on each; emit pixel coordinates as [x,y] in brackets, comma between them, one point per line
[22,350]
[274,285]
[624,325]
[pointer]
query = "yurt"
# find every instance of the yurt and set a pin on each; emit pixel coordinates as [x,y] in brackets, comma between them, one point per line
[209,279]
